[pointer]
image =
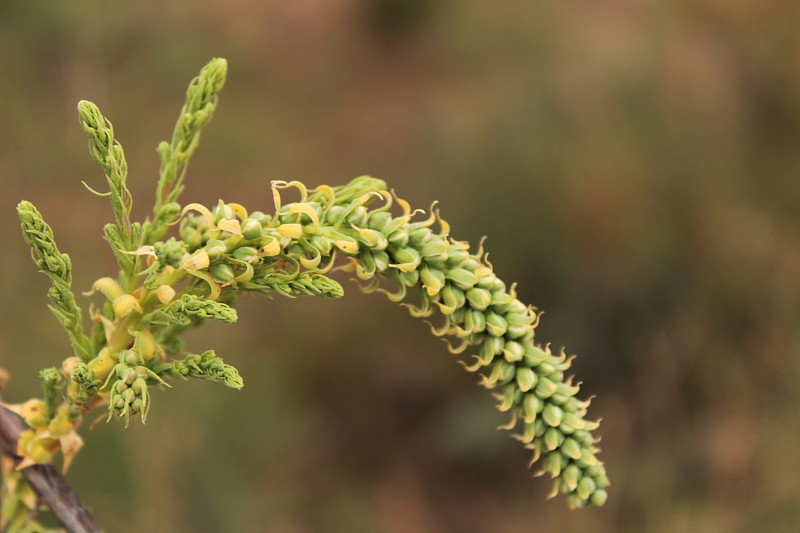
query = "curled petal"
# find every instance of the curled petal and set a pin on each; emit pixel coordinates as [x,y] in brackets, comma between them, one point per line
[231,225]
[239,210]
[310,212]
[197,261]
[213,286]
[203,210]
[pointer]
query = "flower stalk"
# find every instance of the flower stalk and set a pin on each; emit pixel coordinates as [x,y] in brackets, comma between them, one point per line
[169,284]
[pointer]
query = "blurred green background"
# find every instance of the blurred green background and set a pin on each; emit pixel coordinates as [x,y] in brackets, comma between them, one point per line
[634,164]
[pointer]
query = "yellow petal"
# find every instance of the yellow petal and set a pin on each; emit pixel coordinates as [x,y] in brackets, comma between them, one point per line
[165,294]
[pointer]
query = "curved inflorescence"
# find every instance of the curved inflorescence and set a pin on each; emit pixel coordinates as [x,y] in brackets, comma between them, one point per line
[480,312]
[165,286]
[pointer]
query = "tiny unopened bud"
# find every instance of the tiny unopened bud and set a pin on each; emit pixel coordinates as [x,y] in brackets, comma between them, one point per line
[251,228]
[259,216]
[598,497]
[526,379]
[463,278]
[222,272]
[495,324]
[552,415]
[248,254]
[432,279]
[215,248]
[586,487]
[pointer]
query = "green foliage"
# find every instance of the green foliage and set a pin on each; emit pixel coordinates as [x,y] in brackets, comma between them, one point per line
[201,101]
[107,151]
[189,308]
[207,366]
[58,268]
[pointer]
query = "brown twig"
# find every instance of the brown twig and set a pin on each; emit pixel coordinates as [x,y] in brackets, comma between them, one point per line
[48,483]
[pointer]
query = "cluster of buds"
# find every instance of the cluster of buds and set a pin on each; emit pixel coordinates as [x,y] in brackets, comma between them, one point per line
[480,311]
[128,387]
[205,366]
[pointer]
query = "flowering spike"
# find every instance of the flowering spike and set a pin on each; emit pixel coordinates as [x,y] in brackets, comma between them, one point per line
[231,250]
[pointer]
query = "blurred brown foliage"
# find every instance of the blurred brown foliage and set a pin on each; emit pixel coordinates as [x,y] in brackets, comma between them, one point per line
[634,164]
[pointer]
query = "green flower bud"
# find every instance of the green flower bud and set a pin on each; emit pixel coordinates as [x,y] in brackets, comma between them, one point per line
[215,249]
[435,249]
[222,272]
[552,415]
[262,219]
[456,257]
[381,261]
[531,406]
[248,254]
[375,240]
[553,464]
[526,379]
[399,237]
[571,476]
[378,221]
[534,355]
[453,298]
[513,351]
[502,372]
[508,398]
[358,217]
[598,497]
[334,214]
[571,449]
[518,332]
[479,298]
[222,211]
[251,228]
[500,300]
[417,237]
[586,487]
[491,283]
[495,324]
[129,357]
[474,321]
[573,421]
[433,280]
[464,279]
[170,252]
[491,346]
[409,279]
[406,259]
[553,439]
[323,244]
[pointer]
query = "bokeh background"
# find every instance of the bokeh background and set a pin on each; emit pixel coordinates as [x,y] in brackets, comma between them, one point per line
[634,164]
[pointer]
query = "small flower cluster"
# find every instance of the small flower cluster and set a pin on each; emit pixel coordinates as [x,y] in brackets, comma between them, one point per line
[205,366]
